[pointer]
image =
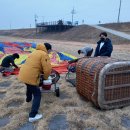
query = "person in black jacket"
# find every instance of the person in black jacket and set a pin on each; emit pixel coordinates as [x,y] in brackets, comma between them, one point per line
[8,62]
[104,46]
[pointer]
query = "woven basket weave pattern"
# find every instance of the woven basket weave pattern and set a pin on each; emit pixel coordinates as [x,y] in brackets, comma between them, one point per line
[115,86]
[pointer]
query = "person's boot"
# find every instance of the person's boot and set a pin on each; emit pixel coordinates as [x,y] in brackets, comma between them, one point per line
[28,99]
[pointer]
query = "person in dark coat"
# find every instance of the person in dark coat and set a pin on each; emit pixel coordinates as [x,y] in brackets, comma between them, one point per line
[8,62]
[104,46]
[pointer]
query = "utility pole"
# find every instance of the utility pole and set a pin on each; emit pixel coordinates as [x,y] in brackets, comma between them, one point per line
[83,21]
[10,26]
[73,12]
[43,19]
[118,20]
[35,18]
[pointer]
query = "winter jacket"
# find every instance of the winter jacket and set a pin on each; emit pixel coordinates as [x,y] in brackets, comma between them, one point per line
[87,51]
[106,49]
[8,61]
[38,62]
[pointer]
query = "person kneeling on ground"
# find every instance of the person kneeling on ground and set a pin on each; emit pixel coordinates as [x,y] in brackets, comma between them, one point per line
[87,51]
[8,63]
[37,63]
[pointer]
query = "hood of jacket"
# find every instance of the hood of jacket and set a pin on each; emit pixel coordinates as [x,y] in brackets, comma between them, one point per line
[41,47]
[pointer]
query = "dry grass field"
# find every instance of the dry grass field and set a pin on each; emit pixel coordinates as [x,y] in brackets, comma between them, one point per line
[69,111]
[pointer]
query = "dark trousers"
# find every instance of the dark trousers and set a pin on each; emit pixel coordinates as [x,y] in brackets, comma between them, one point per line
[36,93]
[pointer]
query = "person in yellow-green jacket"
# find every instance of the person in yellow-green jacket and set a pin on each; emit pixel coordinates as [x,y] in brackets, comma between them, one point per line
[38,62]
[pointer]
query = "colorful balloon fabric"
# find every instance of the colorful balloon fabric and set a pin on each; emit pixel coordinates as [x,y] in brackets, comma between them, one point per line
[22,48]
[59,60]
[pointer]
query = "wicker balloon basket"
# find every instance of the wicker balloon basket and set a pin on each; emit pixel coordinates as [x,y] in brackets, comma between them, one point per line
[104,81]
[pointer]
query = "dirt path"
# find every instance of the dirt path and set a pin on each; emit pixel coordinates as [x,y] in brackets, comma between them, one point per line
[117,33]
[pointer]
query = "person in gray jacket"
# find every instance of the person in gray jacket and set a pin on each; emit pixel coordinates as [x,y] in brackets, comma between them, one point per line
[87,51]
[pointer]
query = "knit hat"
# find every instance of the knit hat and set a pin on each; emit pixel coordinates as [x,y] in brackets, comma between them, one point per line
[104,34]
[48,46]
[16,55]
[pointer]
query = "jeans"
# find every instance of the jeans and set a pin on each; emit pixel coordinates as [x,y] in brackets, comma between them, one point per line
[6,69]
[36,93]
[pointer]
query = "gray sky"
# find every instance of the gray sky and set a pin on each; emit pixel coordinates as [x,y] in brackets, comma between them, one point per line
[20,13]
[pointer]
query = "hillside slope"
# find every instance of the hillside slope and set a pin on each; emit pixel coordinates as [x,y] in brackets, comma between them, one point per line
[82,33]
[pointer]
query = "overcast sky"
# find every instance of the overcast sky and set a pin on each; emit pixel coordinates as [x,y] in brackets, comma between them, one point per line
[20,13]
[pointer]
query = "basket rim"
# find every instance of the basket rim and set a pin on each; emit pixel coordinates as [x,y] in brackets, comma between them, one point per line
[101,83]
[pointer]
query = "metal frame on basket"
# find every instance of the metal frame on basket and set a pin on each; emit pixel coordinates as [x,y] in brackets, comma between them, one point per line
[102,75]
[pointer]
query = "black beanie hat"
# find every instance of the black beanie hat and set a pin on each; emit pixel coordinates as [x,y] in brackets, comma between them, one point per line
[48,46]
[104,34]
[16,55]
